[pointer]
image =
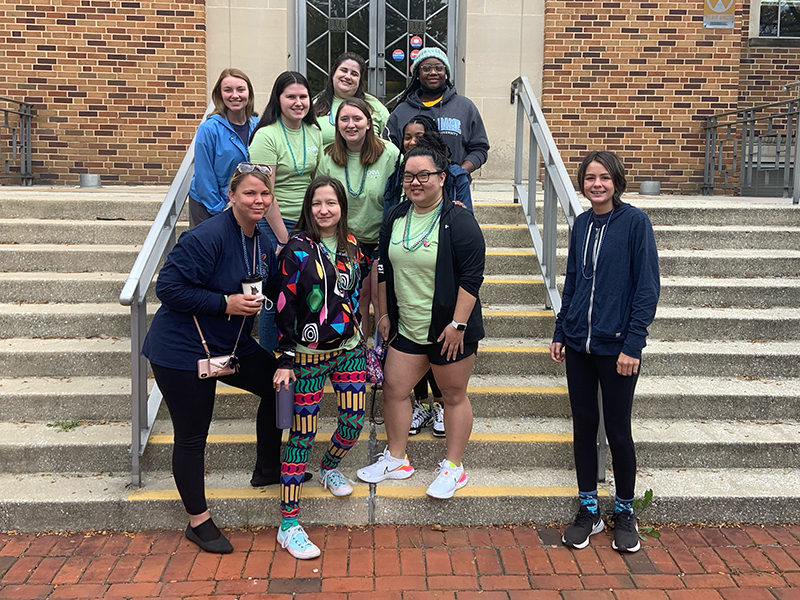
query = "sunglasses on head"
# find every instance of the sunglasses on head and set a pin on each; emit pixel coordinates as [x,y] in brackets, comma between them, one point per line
[246,167]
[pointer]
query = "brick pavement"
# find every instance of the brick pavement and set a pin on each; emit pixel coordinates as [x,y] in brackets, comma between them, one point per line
[408,563]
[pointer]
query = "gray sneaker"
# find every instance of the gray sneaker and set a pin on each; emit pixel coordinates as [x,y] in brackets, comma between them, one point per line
[422,417]
[438,420]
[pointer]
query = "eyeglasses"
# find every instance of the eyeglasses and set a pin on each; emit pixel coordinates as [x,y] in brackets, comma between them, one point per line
[428,68]
[422,176]
[246,167]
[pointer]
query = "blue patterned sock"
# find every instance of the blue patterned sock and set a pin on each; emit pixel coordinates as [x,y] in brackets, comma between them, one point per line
[589,500]
[622,505]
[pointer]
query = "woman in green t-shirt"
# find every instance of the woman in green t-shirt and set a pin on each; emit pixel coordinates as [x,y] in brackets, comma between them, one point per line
[363,163]
[288,139]
[346,80]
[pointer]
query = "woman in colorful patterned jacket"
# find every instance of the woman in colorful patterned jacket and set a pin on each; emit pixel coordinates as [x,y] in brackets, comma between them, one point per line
[320,272]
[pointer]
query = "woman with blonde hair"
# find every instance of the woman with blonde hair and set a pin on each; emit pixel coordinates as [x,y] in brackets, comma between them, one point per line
[221,143]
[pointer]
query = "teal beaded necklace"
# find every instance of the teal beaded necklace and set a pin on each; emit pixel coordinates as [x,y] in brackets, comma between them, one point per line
[286,137]
[356,193]
[412,243]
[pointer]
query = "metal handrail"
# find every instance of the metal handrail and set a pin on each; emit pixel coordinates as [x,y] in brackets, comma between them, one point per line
[159,241]
[750,144]
[21,148]
[558,189]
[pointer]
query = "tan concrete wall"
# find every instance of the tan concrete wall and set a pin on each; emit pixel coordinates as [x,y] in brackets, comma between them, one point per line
[500,40]
[251,35]
[503,39]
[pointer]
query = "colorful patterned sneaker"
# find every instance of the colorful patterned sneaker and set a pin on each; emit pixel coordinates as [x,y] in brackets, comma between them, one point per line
[586,524]
[438,419]
[626,532]
[422,417]
[334,481]
[296,541]
[447,481]
[386,467]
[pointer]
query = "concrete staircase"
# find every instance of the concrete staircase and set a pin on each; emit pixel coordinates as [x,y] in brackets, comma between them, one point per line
[715,417]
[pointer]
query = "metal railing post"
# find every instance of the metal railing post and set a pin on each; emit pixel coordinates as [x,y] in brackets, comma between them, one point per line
[602,442]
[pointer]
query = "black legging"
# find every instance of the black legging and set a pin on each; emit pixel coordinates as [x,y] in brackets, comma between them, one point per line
[583,373]
[191,403]
[421,389]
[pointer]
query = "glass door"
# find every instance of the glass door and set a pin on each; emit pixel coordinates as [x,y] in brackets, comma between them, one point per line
[387,33]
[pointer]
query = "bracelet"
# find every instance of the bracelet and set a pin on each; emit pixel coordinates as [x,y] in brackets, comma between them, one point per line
[381,319]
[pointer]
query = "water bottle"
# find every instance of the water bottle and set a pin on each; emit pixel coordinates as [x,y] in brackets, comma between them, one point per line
[284,406]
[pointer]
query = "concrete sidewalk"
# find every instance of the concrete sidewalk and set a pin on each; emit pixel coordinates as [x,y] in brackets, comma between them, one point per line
[408,563]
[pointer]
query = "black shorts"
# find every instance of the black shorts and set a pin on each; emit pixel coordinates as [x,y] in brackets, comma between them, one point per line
[433,351]
[371,252]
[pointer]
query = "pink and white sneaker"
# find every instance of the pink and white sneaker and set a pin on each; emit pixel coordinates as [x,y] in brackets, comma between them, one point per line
[447,481]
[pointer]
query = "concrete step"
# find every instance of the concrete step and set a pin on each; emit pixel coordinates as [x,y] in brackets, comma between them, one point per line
[68,258]
[498,356]
[131,203]
[38,501]
[761,292]
[48,286]
[720,358]
[92,399]
[66,320]
[500,443]
[51,231]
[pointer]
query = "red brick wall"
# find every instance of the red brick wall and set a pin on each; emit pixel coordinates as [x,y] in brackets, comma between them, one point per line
[637,78]
[118,86]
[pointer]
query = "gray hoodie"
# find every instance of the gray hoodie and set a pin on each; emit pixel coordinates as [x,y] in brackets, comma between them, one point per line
[459,121]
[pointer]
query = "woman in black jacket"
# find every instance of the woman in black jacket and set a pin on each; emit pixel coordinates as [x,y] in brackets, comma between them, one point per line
[432,256]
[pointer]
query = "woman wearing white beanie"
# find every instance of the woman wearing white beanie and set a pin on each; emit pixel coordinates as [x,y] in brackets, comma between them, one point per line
[432,93]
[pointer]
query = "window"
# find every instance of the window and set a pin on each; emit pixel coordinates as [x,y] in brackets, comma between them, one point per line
[779,18]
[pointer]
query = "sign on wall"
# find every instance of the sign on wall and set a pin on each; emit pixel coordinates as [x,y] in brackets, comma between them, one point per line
[719,14]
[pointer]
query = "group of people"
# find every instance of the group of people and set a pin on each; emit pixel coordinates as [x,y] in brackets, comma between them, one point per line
[307,217]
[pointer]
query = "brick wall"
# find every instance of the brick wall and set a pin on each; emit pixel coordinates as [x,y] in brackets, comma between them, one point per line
[637,78]
[118,87]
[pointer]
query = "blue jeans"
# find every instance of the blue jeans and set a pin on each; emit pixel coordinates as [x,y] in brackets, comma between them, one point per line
[267,332]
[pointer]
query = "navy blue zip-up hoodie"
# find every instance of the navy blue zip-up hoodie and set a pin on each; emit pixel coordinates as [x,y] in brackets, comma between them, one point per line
[623,293]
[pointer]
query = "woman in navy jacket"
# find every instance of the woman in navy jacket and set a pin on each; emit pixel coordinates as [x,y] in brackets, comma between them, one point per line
[202,278]
[221,144]
[610,296]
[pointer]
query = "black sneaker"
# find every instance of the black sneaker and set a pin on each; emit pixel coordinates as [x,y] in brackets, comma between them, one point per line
[584,525]
[626,532]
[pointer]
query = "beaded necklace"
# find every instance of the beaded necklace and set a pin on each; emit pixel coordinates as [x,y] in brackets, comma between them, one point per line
[341,278]
[256,246]
[286,137]
[413,243]
[356,193]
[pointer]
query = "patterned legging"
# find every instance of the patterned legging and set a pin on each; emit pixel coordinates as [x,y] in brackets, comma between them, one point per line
[346,369]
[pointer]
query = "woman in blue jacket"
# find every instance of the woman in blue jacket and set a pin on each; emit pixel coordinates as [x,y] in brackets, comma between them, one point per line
[610,296]
[221,144]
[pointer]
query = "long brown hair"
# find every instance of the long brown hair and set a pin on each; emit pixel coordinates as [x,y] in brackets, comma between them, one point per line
[323,102]
[216,94]
[373,147]
[306,223]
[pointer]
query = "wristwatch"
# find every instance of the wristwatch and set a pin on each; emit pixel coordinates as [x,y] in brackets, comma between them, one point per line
[459,326]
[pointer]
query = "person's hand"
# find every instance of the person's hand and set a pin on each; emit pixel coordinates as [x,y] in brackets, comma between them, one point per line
[283,376]
[461,204]
[557,351]
[627,365]
[453,342]
[384,327]
[243,304]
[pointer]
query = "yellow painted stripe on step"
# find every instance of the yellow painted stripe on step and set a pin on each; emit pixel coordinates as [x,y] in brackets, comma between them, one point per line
[273,491]
[246,438]
[504,227]
[530,438]
[230,390]
[399,491]
[496,389]
[485,204]
[516,349]
[517,313]
[510,253]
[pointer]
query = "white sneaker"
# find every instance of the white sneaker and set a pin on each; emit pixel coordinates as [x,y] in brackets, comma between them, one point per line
[438,420]
[448,480]
[422,417]
[386,467]
[334,481]
[296,541]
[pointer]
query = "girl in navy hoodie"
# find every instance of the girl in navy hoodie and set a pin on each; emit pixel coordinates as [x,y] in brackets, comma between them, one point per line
[610,296]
